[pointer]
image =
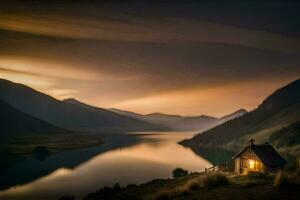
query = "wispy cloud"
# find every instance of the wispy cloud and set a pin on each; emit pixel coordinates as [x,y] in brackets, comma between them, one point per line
[143,58]
[139,29]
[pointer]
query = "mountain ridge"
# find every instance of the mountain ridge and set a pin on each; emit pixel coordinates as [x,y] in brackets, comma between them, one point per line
[14,122]
[278,110]
[67,115]
[183,123]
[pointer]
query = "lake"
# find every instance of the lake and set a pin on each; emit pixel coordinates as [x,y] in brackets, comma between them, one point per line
[142,158]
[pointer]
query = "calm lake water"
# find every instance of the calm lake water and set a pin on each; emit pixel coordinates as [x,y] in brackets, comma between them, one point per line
[78,172]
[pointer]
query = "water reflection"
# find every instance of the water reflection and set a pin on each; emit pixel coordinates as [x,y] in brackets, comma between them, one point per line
[32,168]
[155,156]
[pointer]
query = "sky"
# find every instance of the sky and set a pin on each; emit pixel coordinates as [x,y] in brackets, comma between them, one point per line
[177,57]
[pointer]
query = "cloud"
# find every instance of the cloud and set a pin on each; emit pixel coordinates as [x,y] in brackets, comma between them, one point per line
[100,23]
[142,58]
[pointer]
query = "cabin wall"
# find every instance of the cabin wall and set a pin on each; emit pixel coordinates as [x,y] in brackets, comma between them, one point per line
[248,161]
[237,165]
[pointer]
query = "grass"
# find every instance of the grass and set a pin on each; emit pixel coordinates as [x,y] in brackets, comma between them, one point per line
[287,179]
[252,179]
[196,186]
[207,181]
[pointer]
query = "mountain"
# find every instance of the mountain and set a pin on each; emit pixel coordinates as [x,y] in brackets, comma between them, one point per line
[287,136]
[280,109]
[131,120]
[182,123]
[14,122]
[66,114]
[175,122]
[127,113]
[233,115]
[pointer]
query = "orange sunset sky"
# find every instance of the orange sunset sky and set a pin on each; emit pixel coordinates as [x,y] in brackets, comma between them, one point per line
[168,58]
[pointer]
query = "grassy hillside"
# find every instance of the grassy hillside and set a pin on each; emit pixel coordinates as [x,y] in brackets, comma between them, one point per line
[287,137]
[204,186]
[279,110]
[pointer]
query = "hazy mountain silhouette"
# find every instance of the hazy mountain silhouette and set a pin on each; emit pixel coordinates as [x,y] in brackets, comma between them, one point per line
[130,121]
[233,115]
[183,123]
[279,110]
[14,122]
[67,114]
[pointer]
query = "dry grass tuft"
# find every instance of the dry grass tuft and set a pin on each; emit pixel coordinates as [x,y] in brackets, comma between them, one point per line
[286,179]
[214,180]
[204,181]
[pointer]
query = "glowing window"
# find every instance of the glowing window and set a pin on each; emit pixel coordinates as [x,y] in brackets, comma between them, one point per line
[251,164]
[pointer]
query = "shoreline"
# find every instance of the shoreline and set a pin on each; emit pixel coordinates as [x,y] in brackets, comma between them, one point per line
[41,168]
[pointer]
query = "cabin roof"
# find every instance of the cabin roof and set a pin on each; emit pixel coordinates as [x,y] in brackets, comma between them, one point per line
[266,153]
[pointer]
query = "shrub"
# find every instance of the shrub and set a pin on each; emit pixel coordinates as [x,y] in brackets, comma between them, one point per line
[109,190]
[179,172]
[117,187]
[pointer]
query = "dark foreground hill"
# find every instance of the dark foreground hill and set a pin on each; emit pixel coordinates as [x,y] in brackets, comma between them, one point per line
[199,186]
[279,110]
[67,115]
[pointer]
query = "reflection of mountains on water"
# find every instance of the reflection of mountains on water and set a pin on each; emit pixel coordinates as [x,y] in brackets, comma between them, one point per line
[31,168]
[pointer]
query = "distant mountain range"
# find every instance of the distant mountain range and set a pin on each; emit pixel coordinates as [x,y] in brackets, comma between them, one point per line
[183,123]
[14,122]
[73,115]
[69,114]
[279,110]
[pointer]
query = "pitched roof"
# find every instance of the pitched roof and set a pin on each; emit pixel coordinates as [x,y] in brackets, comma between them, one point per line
[267,154]
[239,153]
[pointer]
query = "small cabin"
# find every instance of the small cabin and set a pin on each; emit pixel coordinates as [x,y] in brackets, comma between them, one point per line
[258,158]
